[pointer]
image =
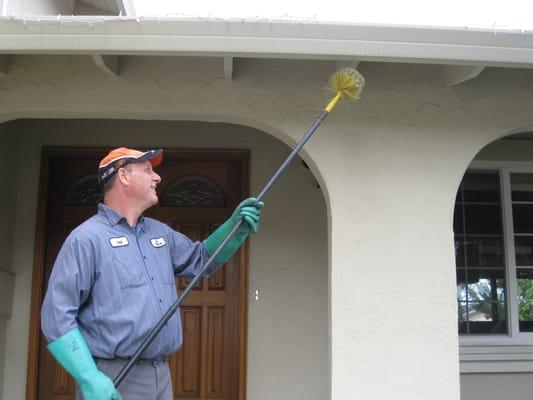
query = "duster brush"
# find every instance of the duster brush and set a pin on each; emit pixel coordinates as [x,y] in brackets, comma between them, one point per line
[345,84]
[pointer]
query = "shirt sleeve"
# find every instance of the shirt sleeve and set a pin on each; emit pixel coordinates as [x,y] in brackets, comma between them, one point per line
[188,257]
[68,287]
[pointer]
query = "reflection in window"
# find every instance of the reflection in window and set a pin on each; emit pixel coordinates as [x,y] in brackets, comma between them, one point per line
[193,191]
[525,298]
[522,200]
[479,253]
[85,191]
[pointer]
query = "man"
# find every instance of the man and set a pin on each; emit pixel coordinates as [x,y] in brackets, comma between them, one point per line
[114,278]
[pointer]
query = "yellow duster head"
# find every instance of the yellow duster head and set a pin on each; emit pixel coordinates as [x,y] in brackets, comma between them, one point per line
[348,82]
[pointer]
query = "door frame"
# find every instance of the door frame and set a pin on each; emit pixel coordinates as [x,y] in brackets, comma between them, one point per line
[40,243]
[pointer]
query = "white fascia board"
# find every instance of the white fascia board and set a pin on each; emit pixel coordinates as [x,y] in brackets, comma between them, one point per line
[256,38]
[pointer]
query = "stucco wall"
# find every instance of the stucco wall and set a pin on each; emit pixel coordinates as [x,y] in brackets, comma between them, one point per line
[389,167]
[495,386]
[287,330]
[8,177]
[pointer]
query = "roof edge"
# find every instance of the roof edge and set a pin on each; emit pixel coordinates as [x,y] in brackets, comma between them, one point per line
[265,38]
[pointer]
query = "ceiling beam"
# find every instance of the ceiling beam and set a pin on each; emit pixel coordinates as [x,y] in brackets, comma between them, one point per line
[228,68]
[4,64]
[108,64]
[456,74]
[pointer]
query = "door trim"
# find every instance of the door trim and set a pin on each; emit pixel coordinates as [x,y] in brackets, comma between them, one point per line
[40,242]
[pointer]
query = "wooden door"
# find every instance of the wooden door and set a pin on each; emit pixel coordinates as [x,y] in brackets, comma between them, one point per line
[199,190]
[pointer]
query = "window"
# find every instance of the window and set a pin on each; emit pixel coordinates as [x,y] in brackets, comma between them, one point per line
[85,191]
[522,207]
[193,191]
[479,255]
[493,234]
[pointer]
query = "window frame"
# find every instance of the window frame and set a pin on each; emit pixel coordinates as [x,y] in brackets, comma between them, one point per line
[511,352]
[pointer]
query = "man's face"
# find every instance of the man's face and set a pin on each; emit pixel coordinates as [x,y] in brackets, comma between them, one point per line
[143,183]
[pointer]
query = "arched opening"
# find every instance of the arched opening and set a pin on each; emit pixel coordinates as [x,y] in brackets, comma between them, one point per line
[493,241]
[287,318]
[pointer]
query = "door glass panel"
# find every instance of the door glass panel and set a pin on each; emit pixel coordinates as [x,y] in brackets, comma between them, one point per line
[193,191]
[84,191]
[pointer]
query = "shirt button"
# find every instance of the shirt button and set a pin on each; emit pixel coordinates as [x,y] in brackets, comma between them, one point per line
[152,278]
[160,300]
[144,257]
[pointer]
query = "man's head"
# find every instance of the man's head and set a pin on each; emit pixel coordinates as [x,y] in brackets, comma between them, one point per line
[130,172]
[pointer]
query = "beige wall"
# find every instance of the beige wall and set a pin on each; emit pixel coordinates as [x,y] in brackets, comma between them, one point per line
[496,386]
[389,168]
[287,330]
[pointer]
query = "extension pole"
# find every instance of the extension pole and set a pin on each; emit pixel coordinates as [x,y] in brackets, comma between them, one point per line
[174,307]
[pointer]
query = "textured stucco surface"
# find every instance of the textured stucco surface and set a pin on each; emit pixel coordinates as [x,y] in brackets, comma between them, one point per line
[495,386]
[389,168]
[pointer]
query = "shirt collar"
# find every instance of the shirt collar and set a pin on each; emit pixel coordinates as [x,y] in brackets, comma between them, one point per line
[114,217]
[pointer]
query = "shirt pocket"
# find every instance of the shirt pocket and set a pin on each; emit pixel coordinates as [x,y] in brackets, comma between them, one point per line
[130,276]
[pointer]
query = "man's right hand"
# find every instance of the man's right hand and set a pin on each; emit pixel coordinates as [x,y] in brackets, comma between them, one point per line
[72,352]
[98,386]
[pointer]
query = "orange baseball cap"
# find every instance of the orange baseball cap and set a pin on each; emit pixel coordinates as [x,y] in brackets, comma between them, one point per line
[118,158]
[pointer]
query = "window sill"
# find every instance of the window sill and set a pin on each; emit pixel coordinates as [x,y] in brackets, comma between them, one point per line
[496,358]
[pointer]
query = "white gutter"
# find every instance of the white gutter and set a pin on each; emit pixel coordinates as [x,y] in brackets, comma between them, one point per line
[263,38]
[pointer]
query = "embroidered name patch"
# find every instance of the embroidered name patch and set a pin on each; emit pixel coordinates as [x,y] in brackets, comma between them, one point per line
[119,241]
[158,242]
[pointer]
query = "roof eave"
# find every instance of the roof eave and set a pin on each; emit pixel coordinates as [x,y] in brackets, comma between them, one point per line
[265,38]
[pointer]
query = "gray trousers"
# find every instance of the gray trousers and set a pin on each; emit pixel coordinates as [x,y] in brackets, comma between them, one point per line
[146,380]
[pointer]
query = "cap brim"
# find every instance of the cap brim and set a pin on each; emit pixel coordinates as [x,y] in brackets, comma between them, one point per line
[154,156]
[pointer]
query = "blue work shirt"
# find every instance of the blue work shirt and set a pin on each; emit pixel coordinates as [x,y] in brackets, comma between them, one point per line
[115,283]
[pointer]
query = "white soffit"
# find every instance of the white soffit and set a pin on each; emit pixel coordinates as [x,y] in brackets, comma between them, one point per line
[257,38]
[111,7]
[456,74]
[106,5]
[116,7]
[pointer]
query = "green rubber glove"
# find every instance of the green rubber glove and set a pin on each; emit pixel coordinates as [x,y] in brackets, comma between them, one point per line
[71,351]
[250,211]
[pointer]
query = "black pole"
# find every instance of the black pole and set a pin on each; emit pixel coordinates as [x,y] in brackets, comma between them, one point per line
[174,307]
